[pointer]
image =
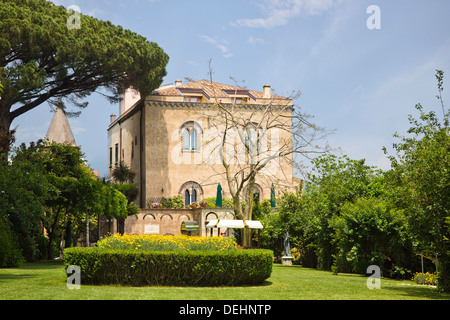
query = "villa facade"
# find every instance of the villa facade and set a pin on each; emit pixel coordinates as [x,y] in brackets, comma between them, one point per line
[165,139]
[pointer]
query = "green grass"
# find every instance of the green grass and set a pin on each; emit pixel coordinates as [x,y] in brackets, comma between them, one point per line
[47,281]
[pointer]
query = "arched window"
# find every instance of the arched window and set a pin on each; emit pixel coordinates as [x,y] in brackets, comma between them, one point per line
[192,192]
[255,140]
[190,196]
[187,198]
[191,133]
[252,140]
[187,140]
[257,192]
[194,139]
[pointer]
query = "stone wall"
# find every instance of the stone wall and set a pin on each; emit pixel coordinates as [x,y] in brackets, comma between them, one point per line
[168,221]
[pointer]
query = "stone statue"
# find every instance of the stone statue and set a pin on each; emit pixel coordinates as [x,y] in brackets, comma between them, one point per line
[286,244]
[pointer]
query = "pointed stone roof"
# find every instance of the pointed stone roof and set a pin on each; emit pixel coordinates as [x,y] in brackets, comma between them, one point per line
[59,130]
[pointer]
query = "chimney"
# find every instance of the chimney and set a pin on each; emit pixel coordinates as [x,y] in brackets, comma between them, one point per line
[266,92]
[178,82]
[127,99]
[112,117]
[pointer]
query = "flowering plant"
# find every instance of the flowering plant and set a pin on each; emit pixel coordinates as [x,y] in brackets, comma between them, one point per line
[155,205]
[157,242]
[428,278]
[203,203]
[194,205]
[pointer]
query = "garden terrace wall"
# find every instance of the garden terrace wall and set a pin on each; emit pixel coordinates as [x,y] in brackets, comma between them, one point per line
[186,268]
[168,221]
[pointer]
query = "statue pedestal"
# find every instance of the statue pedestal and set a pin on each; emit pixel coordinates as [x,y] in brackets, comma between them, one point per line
[286,260]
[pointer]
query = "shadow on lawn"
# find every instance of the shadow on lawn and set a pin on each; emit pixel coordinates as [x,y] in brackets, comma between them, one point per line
[264,284]
[419,292]
[4,277]
[40,265]
[43,264]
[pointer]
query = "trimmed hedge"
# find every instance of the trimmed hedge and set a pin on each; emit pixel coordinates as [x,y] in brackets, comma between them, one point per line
[168,268]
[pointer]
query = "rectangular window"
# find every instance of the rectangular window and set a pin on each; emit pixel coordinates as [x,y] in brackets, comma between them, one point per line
[240,100]
[117,153]
[192,99]
[110,157]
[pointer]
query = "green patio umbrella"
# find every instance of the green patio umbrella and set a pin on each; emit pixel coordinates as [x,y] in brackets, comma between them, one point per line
[219,196]
[272,196]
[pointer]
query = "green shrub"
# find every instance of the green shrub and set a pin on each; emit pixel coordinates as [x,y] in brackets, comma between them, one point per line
[369,232]
[174,202]
[226,202]
[10,254]
[184,268]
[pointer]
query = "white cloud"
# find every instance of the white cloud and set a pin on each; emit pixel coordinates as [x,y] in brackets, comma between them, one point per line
[31,133]
[220,44]
[279,12]
[255,40]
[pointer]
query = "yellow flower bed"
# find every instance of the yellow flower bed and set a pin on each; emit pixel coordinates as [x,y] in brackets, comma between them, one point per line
[156,242]
[429,278]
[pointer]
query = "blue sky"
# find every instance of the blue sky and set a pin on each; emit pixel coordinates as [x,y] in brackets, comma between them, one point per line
[361,82]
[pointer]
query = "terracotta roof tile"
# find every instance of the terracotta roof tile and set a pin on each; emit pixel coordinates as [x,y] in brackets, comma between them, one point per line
[212,89]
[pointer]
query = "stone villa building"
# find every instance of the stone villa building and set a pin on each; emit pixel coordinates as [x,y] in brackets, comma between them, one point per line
[164,138]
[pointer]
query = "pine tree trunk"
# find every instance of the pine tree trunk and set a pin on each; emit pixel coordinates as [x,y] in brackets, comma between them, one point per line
[6,135]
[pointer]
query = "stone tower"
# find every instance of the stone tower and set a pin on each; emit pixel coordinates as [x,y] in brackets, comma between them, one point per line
[59,130]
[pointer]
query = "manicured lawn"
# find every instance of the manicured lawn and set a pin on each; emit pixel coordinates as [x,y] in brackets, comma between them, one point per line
[47,281]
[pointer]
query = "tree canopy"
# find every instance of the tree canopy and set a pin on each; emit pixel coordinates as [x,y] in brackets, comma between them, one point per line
[420,182]
[42,59]
[350,216]
[48,185]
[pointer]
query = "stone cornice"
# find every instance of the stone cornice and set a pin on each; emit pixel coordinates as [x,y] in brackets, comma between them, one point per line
[206,106]
[190,105]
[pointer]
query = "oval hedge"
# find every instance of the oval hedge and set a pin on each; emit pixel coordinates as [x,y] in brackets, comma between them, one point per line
[186,268]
